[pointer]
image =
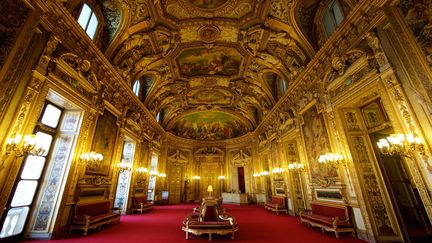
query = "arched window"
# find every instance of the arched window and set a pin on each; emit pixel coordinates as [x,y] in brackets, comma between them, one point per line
[332,17]
[88,20]
[136,87]
[158,117]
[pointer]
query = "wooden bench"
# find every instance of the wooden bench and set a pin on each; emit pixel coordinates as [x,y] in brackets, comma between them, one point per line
[141,204]
[94,214]
[330,217]
[276,204]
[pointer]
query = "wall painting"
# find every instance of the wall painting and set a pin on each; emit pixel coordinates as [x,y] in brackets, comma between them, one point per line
[104,142]
[316,143]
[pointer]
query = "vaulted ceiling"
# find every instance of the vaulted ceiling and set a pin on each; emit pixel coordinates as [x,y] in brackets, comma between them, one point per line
[205,64]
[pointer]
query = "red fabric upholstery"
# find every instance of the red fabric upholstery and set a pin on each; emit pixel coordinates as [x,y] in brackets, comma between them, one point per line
[327,211]
[330,217]
[93,214]
[209,219]
[93,209]
[140,199]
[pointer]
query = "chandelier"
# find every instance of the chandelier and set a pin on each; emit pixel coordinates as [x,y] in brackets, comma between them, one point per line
[29,145]
[91,160]
[296,167]
[331,159]
[124,166]
[404,145]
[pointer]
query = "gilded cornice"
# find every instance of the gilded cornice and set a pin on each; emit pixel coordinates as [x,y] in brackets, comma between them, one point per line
[364,17]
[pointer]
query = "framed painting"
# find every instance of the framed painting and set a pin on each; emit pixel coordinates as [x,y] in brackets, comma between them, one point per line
[373,114]
[104,141]
[317,143]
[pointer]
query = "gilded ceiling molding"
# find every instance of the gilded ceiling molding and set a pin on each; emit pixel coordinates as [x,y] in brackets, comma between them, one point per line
[117,91]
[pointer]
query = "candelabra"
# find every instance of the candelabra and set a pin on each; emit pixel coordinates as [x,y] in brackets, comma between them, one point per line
[23,146]
[331,159]
[404,145]
[296,167]
[124,166]
[91,160]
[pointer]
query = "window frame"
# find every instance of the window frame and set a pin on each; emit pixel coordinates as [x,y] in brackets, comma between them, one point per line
[89,19]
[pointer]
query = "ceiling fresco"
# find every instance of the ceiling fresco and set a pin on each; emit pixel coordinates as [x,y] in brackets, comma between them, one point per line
[208,125]
[208,60]
[214,61]
[208,4]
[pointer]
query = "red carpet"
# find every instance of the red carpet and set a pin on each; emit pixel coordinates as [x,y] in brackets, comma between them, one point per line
[163,224]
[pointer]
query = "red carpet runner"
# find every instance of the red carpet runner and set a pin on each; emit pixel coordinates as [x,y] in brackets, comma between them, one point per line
[163,224]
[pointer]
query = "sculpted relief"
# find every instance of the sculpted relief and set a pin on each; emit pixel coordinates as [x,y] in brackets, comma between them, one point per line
[418,15]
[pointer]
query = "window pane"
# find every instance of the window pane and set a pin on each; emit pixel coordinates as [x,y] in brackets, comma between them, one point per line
[328,23]
[84,16]
[33,167]
[24,193]
[91,28]
[337,13]
[14,222]
[136,87]
[51,116]
[44,141]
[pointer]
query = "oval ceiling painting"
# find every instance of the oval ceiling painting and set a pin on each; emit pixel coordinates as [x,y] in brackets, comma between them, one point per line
[208,126]
[208,4]
[219,60]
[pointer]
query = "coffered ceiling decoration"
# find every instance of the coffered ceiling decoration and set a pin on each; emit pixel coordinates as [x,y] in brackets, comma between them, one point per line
[209,60]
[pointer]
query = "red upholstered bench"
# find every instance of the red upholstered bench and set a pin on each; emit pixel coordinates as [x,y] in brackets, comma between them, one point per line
[93,214]
[330,217]
[141,204]
[276,204]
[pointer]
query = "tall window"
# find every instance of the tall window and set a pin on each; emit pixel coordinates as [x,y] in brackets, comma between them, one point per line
[333,17]
[88,20]
[136,87]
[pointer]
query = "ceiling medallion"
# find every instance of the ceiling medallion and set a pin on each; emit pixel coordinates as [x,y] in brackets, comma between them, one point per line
[209,33]
[208,4]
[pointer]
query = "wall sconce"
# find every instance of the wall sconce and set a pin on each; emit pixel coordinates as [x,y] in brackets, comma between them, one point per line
[24,146]
[154,173]
[221,177]
[263,173]
[401,144]
[331,159]
[162,175]
[277,170]
[91,160]
[196,177]
[124,166]
[141,170]
[296,167]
